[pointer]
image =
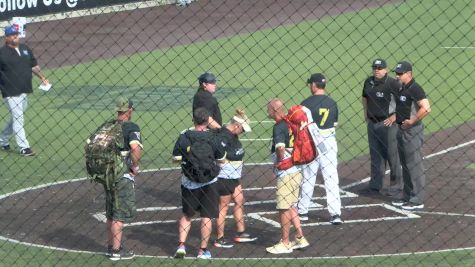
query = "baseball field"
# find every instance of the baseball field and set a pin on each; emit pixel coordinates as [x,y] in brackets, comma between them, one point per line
[51,215]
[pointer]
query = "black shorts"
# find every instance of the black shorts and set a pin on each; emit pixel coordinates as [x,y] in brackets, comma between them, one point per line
[204,199]
[227,186]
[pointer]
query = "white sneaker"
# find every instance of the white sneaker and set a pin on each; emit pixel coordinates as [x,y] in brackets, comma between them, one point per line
[399,202]
[299,243]
[280,248]
[336,220]
[180,252]
[412,206]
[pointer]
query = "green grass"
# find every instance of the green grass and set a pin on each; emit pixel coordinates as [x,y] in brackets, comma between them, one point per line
[252,69]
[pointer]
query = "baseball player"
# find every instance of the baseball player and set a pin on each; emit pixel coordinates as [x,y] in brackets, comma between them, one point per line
[379,112]
[325,114]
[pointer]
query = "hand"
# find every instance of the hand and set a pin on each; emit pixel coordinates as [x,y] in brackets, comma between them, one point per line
[45,81]
[388,122]
[406,124]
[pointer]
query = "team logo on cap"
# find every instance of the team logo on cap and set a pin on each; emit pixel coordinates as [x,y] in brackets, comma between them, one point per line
[399,66]
[378,62]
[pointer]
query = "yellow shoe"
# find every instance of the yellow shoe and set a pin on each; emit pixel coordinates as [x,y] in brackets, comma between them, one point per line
[280,248]
[299,243]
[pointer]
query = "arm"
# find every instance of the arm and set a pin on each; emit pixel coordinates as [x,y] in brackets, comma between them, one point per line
[37,71]
[392,110]
[220,150]
[424,109]
[280,152]
[394,88]
[213,124]
[135,155]
[176,154]
[364,100]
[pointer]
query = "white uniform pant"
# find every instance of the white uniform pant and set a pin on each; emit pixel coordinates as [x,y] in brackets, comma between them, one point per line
[17,106]
[328,164]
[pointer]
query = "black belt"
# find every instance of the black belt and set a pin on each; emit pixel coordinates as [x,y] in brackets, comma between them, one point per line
[415,124]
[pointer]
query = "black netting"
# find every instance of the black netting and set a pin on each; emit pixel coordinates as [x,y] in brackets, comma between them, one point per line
[153,52]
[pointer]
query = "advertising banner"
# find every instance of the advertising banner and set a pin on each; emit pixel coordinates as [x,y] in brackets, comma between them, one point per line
[25,8]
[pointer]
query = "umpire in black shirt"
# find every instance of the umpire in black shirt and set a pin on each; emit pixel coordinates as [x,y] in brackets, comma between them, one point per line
[379,106]
[204,98]
[411,107]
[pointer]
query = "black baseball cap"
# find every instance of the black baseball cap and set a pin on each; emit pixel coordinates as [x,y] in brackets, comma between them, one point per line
[402,67]
[379,63]
[207,77]
[316,78]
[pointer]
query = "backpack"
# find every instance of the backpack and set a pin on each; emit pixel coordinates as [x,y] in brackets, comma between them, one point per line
[200,164]
[102,151]
[299,119]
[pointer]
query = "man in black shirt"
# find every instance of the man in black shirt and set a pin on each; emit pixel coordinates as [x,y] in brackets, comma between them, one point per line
[204,98]
[17,64]
[379,106]
[120,200]
[197,196]
[412,106]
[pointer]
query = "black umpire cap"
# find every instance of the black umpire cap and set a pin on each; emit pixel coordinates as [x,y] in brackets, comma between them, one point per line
[207,77]
[403,67]
[379,63]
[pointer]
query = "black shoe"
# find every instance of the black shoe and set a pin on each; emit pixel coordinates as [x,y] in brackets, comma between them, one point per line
[121,254]
[393,192]
[221,243]
[6,147]
[27,152]
[109,251]
[399,202]
[368,191]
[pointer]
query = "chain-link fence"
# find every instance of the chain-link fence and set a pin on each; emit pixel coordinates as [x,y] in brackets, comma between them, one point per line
[153,52]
